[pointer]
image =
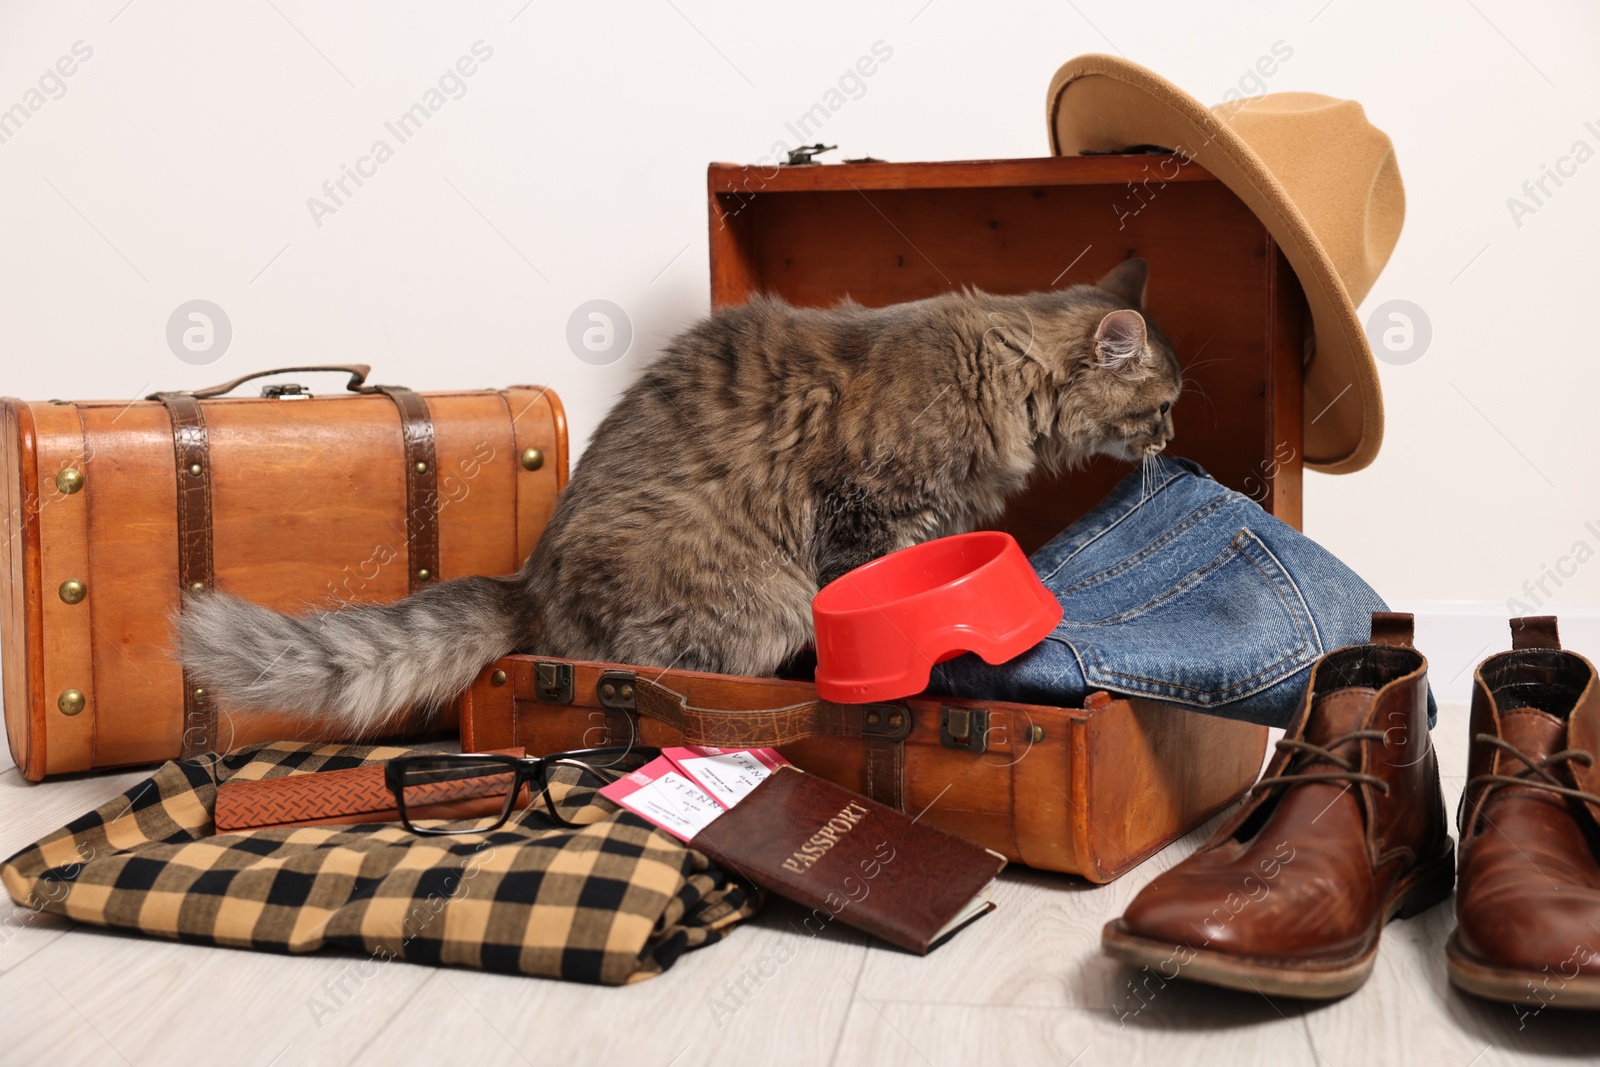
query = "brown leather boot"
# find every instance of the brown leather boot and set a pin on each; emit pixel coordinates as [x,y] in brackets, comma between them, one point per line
[1346,830]
[1528,906]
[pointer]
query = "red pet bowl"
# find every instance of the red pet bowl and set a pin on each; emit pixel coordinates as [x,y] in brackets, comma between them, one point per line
[882,627]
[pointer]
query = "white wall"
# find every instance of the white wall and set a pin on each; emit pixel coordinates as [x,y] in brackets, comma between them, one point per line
[178,162]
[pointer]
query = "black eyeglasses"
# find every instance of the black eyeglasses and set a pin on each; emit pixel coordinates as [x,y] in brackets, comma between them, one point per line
[430,790]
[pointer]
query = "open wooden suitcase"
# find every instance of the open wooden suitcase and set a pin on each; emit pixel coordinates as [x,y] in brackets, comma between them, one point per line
[1089,791]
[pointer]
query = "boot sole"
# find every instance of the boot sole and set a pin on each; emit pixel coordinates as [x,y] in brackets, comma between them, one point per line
[1514,986]
[1427,885]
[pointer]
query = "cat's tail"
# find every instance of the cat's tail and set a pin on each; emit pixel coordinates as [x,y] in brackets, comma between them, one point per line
[352,669]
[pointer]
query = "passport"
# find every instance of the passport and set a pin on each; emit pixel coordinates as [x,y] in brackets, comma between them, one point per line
[851,859]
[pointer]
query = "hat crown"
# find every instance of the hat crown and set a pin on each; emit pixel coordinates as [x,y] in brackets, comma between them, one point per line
[1337,167]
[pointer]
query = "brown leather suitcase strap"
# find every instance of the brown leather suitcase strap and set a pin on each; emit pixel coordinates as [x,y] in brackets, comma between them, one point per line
[196,570]
[772,727]
[422,485]
[886,772]
[196,566]
[422,499]
[884,728]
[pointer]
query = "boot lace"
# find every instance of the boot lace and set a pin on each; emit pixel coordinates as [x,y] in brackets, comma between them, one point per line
[1349,771]
[1538,774]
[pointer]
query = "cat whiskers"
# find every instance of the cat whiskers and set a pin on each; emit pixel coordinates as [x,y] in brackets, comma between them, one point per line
[1201,392]
[1149,477]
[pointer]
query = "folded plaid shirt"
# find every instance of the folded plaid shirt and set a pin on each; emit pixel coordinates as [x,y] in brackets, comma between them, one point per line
[613,901]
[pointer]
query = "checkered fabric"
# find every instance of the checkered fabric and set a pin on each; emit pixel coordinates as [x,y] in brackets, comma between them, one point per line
[611,901]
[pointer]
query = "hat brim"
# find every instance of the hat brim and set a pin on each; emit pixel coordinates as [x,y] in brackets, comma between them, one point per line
[1102,102]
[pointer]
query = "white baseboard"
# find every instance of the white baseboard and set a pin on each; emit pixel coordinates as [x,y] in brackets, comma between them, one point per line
[1456,634]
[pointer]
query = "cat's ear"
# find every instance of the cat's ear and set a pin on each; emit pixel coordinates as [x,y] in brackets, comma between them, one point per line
[1119,340]
[1126,281]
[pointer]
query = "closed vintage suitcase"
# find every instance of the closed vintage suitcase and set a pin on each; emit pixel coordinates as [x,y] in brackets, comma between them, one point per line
[295,501]
[1089,791]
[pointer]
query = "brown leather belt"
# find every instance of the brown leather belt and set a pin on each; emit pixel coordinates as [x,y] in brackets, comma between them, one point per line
[196,565]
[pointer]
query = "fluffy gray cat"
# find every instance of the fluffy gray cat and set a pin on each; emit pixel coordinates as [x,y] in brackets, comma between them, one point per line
[766,452]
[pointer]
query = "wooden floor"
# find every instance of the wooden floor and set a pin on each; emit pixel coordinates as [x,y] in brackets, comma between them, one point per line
[1025,985]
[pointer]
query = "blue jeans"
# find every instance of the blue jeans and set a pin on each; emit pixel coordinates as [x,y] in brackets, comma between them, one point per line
[1180,590]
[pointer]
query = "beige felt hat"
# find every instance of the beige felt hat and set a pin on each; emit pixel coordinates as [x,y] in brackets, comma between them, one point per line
[1320,177]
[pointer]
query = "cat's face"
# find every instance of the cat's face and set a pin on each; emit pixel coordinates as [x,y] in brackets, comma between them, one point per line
[1132,381]
[1114,375]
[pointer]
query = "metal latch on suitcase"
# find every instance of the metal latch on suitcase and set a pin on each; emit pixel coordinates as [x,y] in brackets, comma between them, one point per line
[552,682]
[964,728]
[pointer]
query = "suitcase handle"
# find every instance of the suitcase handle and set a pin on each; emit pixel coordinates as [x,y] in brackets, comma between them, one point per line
[358,376]
[774,727]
